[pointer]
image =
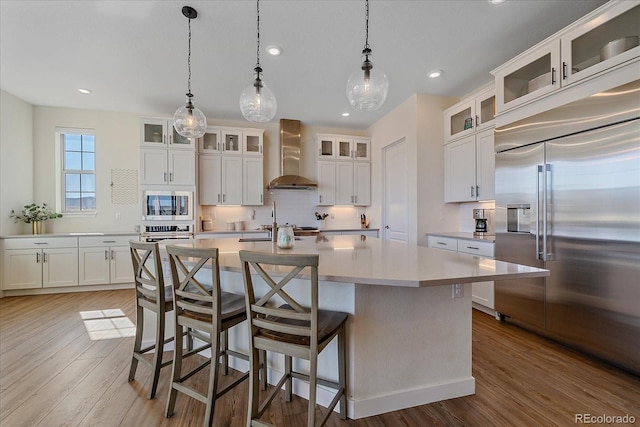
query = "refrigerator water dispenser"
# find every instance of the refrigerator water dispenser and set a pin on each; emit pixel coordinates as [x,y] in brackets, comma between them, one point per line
[519,218]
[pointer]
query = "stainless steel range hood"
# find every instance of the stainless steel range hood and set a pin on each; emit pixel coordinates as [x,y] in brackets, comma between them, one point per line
[290,159]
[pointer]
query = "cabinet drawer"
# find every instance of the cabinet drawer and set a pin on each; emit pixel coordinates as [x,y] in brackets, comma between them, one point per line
[476,248]
[442,243]
[105,241]
[41,243]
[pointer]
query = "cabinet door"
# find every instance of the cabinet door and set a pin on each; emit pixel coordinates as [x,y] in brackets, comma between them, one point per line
[178,141]
[586,50]
[209,180]
[459,120]
[210,143]
[231,180]
[154,166]
[94,266]
[60,267]
[345,148]
[121,270]
[483,293]
[460,170]
[326,183]
[485,109]
[252,142]
[326,147]
[232,141]
[485,166]
[153,133]
[362,149]
[529,77]
[22,269]
[362,183]
[344,183]
[252,182]
[182,167]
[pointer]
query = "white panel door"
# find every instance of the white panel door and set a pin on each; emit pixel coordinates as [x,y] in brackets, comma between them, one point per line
[182,167]
[22,269]
[154,166]
[121,269]
[485,165]
[326,183]
[209,180]
[231,180]
[94,266]
[460,170]
[344,183]
[252,183]
[395,192]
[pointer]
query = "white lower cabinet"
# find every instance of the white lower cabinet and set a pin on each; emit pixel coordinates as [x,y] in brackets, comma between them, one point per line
[105,260]
[362,232]
[31,263]
[481,292]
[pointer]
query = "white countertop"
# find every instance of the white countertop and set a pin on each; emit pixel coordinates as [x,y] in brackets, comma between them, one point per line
[466,236]
[366,260]
[77,234]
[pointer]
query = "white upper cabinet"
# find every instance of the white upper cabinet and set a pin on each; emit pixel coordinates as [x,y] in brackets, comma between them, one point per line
[474,113]
[252,141]
[210,143]
[326,183]
[252,181]
[232,141]
[598,42]
[327,148]
[161,133]
[168,166]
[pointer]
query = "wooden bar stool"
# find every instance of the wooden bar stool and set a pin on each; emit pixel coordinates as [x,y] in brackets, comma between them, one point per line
[154,295]
[209,312]
[290,329]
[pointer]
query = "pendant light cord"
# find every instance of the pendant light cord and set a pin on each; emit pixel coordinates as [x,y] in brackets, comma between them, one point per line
[366,26]
[258,33]
[189,63]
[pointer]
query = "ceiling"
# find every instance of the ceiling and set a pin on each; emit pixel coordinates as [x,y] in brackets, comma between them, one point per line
[133,54]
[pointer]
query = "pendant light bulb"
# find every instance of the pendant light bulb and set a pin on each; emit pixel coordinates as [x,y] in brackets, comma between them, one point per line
[257,102]
[188,120]
[367,88]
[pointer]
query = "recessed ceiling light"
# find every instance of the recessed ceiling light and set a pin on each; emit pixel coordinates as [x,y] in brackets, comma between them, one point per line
[274,50]
[85,91]
[496,1]
[435,73]
[346,114]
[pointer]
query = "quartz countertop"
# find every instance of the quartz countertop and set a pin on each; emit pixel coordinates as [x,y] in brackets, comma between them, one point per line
[75,234]
[366,260]
[465,235]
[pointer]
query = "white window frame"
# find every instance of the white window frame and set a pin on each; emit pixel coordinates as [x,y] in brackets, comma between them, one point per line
[59,159]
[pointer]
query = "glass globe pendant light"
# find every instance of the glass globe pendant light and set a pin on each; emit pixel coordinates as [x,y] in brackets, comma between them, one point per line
[188,120]
[367,87]
[257,101]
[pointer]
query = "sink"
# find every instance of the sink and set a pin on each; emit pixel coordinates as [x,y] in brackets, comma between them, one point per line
[258,239]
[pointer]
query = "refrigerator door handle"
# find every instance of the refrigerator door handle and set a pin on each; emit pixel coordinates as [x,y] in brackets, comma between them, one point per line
[539,253]
[546,238]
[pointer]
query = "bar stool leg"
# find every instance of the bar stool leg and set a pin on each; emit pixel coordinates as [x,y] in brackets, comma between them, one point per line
[224,345]
[213,378]
[254,385]
[313,376]
[342,371]
[263,369]
[138,342]
[176,373]
[287,372]
[157,356]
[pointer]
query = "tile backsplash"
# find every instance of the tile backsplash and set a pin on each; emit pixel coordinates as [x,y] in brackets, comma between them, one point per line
[292,206]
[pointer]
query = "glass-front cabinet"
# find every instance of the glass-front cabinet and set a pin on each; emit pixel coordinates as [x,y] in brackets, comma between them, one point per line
[326,147]
[602,42]
[353,148]
[606,38]
[232,141]
[210,141]
[472,114]
[161,133]
[252,141]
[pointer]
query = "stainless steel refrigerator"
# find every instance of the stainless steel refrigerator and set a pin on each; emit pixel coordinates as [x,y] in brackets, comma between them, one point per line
[568,199]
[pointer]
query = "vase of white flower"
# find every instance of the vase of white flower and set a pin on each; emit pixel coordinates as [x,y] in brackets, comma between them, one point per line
[35,215]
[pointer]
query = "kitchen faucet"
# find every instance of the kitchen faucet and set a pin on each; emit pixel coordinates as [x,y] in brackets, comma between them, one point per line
[274,225]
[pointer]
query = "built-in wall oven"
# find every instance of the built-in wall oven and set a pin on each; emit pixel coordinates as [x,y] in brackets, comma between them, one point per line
[157,233]
[168,205]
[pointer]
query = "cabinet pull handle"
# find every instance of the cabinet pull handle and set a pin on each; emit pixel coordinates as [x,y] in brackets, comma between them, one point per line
[224,196]
[260,149]
[442,243]
[170,176]
[320,198]
[553,76]
[165,177]
[474,248]
[41,243]
[261,199]
[477,191]
[355,199]
[472,191]
[106,255]
[170,139]
[164,139]
[218,198]
[477,121]
[108,241]
[37,257]
[44,257]
[564,70]
[111,254]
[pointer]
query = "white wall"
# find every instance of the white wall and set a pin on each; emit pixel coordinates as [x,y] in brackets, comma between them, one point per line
[16,160]
[419,121]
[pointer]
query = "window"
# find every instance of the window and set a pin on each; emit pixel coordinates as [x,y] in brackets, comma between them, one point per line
[77,165]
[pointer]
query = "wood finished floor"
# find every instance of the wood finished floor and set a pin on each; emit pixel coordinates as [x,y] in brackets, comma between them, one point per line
[52,374]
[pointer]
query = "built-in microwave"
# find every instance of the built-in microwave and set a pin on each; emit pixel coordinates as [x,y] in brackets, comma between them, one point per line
[168,205]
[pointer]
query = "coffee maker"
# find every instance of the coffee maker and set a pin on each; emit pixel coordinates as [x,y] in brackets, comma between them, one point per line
[480,215]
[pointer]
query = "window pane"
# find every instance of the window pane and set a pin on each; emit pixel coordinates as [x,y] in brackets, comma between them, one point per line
[72,142]
[72,182]
[72,201]
[72,160]
[89,143]
[88,183]
[88,161]
[88,201]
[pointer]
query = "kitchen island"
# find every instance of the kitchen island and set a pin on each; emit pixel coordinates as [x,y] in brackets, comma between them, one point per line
[408,338]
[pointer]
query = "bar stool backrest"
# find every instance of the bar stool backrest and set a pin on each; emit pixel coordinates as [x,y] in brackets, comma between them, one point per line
[148,275]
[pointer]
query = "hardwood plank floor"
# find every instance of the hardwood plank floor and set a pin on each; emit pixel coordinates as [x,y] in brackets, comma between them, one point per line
[52,373]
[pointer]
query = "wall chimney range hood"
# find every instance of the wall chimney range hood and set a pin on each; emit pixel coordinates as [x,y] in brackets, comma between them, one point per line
[290,160]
